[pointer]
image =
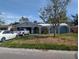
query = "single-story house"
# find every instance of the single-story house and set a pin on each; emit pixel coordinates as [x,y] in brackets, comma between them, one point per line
[37,28]
[62,28]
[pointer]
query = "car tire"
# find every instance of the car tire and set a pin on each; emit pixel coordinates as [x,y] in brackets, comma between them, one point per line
[23,34]
[3,39]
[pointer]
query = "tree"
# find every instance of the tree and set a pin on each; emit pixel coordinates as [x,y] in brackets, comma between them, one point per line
[23,19]
[15,23]
[55,12]
[43,15]
[1,21]
[35,21]
[75,19]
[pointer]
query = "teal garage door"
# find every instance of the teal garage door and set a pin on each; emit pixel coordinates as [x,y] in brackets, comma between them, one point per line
[64,29]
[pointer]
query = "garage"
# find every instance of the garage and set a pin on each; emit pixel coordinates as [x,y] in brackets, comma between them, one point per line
[64,28]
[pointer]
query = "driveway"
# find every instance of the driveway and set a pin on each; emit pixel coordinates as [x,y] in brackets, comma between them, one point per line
[11,53]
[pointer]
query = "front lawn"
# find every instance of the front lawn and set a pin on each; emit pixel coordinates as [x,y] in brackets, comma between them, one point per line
[60,42]
[72,36]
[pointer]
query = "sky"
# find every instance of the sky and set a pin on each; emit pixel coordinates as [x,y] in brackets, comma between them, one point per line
[12,10]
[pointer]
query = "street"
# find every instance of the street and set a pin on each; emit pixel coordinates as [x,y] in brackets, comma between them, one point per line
[11,53]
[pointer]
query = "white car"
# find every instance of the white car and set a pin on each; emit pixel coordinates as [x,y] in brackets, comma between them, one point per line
[6,35]
[22,32]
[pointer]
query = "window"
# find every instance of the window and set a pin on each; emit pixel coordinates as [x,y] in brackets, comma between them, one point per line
[7,32]
[0,31]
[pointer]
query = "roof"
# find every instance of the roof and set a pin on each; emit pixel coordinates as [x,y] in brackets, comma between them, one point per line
[27,24]
[45,24]
[3,26]
[62,24]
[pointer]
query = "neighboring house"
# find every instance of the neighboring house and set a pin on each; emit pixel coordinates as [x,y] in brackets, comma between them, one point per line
[7,27]
[37,28]
[3,27]
[74,29]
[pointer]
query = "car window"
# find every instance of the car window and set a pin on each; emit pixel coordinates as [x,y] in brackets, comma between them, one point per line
[7,32]
[0,31]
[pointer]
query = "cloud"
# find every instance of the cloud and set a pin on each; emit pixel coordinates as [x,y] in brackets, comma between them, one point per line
[10,18]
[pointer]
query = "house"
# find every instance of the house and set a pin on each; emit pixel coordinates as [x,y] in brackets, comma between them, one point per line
[74,29]
[62,28]
[35,28]
[3,27]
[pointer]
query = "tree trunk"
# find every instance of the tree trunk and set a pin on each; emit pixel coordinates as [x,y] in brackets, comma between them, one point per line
[54,30]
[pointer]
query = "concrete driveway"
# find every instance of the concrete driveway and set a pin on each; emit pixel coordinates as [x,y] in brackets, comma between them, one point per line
[11,53]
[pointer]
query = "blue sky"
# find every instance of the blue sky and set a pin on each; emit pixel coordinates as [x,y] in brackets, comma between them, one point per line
[12,10]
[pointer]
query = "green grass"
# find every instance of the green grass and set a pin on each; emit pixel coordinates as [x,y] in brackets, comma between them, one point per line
[68,36]
[64,36]
[40,46]
[15,43]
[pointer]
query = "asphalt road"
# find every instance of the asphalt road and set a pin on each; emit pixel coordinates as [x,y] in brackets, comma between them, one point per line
[11,53]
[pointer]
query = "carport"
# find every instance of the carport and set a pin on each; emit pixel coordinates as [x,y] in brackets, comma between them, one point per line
[64,28]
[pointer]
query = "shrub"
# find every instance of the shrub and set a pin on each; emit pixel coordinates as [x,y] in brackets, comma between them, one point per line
[44,30]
